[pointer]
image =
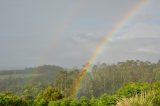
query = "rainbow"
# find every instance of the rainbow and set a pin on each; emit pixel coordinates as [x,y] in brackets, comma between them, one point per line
[98,49]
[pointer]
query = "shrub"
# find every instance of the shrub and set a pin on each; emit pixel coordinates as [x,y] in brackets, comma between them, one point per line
[107,100]
[11,100]
[65,102]
[49,94]
[84,101]
[94,102]
[75,102]
[132,89]
[54,103]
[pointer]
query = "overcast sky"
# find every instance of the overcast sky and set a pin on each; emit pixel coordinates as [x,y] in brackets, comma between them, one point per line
[65,32]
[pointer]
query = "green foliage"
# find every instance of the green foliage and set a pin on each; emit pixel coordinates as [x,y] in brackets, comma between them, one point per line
[149,95]
[109,78]
[132,94]
[84,101]
[156,100]
[41,102]
[94,102]
[54,103]
[39,77]
[7,99]
[75,102]
[132,89]
[65,102]
[107,100]
[155,85]
[129,81]
[65,79]
[49,94]
[104,100]
[62,102]
[102,78]
[148,98]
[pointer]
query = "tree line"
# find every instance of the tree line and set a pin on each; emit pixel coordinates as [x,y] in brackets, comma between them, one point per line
[102,79]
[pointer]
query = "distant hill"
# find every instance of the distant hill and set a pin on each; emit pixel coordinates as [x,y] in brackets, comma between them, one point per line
[17,79]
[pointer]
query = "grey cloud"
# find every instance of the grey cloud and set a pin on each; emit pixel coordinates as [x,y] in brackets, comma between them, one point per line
[137,48]
[140,31]
[148,50]
[85,38]
[29,28]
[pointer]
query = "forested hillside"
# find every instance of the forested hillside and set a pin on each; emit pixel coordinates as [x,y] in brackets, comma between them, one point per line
[18,80]
[33,83]
[109,78]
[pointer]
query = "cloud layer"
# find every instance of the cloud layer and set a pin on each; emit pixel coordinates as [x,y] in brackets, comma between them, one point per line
[66,32]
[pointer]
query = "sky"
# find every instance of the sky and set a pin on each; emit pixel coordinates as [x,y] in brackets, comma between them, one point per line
[66,32]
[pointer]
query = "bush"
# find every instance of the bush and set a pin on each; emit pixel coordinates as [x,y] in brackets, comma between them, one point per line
[132,89]
[107,100]
[65,102]
[94,102]
[84,101]
[49,94]
[54,103]
[11,100]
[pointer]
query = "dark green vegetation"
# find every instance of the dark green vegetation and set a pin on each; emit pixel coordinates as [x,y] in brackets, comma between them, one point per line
[105,85]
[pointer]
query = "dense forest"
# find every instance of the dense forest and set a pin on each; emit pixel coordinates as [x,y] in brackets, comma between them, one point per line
[118,84]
